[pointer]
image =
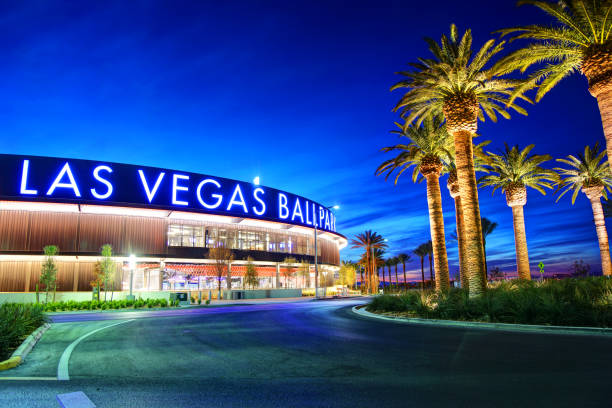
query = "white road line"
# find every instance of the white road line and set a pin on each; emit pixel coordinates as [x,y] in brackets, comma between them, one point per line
[62,367]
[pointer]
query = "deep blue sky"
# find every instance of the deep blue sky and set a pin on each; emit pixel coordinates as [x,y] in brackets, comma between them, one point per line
[296,92]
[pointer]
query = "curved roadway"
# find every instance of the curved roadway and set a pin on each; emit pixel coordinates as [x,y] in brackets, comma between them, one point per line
[318,354]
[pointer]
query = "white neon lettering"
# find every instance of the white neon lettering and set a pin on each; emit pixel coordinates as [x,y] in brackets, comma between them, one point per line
[24,179]
[219,197]
[109,186]
[58,181]
[283,210]
[297,211]
[321,216]
[176,187]
[260,201]
[233,201]
[150,193]
[308,222]
[327,224]
[314,215]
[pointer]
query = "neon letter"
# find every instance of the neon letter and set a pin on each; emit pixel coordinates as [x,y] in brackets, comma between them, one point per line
[241,202]
[109,186]
[282,205]
[308,222]
[219,197]
[150,194]
[176,187]
[24,179]
[57,183]
[327,224]
[297,211]
[321,216]
[260,201]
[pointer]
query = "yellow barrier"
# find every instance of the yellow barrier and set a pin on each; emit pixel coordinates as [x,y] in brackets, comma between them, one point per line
[10,363]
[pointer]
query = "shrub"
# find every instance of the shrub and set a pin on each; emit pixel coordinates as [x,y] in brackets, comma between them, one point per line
[17,321]
[568,302]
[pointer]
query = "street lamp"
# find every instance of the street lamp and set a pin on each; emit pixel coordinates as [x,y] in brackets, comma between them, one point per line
[335,207]
[256,181]
[132,265]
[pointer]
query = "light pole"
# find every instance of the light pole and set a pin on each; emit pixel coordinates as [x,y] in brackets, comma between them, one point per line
[132,264]
[335,207]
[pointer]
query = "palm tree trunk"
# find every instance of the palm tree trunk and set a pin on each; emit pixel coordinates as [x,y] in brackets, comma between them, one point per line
[383,280]
[474,250]
[604,100]
[520,242]
[463,268]
[396,280]
[422,273]
[602,233]
[431,276]
[436,226]
[405,283]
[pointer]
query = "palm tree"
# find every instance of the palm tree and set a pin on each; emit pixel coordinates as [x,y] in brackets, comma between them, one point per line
[456,84]
[369,241]
[427,151]
[388,263]
[421,252]
[395,263]
[588,174]
[403,258]
[452,184]
[488,227]
[429,249]
[513,171]
[579,41]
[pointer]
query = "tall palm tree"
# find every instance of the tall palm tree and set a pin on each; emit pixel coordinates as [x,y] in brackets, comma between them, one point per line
[421,252]
[403,258]
[427,151]
[588,174]
[369,241]
[513,171]
[452,184]
[579,41]
[388,264]
[456,84]
[488,227]
[395,263]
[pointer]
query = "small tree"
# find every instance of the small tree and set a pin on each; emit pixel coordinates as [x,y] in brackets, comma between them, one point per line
[347,274]
[289,269]
[251,275]
[580,269]
[98,280]
[48,273]
[107,268]
[223,257]
[304,273]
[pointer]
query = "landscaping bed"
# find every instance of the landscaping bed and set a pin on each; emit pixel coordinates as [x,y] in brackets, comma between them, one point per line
[72,305]
[17,321]
[570,302]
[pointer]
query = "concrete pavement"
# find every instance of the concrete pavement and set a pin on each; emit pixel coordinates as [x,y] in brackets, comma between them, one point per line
[310,354]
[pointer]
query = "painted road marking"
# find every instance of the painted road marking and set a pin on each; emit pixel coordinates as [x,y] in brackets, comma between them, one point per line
[75,400]
[28,378]
[62,367]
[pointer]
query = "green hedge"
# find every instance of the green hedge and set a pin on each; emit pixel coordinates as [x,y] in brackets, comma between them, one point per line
[112,304]
[567,302]
[17,321]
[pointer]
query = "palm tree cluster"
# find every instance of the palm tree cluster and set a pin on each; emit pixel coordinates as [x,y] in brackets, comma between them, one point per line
[458,85]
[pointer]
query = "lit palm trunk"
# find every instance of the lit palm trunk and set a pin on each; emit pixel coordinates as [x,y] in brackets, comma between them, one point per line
[462,131]
[453,188]
[431,172]
[516,198]
[594,194]
[597,67]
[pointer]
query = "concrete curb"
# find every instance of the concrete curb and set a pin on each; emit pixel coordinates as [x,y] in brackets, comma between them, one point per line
[526,328]
[24,349]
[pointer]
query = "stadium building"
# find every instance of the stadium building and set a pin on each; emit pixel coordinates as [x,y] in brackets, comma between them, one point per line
[160,223]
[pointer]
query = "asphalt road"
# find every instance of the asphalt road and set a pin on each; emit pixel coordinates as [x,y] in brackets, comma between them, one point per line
[309,354]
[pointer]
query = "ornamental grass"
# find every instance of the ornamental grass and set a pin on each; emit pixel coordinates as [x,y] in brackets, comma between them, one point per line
[17,321]
[583,302]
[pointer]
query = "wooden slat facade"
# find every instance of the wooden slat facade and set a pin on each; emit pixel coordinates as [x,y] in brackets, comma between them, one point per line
[27,232]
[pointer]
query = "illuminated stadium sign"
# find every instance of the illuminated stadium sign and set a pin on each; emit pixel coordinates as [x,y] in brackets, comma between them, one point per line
[34,178]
